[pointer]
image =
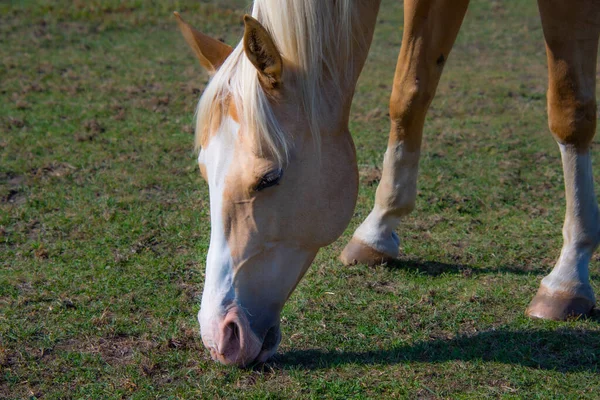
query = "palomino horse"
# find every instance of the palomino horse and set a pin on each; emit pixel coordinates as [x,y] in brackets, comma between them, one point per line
[281,166]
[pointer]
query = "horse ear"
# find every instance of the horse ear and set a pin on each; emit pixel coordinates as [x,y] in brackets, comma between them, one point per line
[211,52]
[262,52]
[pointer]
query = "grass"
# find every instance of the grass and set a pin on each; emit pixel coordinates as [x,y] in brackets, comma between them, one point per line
[104,221]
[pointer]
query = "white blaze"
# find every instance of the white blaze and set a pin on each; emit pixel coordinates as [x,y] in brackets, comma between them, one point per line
[218,289]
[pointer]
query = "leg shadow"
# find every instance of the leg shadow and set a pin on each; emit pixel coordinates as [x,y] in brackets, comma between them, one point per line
[435,268]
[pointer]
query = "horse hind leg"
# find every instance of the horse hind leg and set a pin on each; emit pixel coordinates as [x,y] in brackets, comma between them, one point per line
[430,28]
[571,33]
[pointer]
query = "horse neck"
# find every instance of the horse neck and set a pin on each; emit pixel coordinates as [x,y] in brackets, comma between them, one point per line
[362,33]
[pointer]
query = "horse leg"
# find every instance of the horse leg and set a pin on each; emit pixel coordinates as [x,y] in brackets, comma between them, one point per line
[430,28]
[571,32]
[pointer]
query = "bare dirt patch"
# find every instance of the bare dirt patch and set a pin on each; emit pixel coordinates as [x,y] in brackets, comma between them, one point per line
[12,192]
[14,123]
[92,128]
[117,350]
[54,169]
[370,175]
[14,196]
[372,115]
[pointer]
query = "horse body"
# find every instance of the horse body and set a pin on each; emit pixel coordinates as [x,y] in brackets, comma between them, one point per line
[281,165]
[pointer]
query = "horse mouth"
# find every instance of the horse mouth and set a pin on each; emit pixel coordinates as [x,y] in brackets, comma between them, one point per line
[270,344]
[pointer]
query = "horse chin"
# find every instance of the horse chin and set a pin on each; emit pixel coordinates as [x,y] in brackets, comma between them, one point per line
[270,344]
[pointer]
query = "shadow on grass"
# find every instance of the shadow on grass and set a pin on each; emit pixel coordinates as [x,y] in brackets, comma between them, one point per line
[435,268]
[564,350]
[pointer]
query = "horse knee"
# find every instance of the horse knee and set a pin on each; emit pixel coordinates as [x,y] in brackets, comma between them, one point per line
[572,119]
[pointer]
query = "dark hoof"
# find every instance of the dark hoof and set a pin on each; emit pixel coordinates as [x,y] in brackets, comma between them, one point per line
[558,306]
[357,252]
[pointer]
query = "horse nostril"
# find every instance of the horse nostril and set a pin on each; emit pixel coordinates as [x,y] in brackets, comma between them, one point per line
[230,344]
[232,331]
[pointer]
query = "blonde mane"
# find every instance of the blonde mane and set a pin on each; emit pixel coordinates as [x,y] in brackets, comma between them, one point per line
[316,36]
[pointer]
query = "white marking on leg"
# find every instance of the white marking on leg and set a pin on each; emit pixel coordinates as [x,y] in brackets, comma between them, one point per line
[395,198]
[581,230]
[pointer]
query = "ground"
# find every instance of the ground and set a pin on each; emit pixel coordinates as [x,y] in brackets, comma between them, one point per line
[104,221]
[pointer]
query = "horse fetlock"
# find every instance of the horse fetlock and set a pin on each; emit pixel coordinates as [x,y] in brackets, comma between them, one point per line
[566,291]
[403,205]
[592,235]
[397,192]
[571,272]
[374,241]
[554,284]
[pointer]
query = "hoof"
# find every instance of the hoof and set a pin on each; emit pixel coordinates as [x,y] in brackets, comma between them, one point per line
[558,306]
[357,252]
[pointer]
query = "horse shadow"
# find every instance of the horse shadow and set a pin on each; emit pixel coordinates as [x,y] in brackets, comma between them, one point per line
[564,350]
[436,268]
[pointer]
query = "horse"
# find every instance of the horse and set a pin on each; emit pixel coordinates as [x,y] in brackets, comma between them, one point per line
[275,149]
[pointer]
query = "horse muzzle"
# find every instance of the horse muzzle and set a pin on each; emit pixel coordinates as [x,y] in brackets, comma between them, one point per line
[235,343]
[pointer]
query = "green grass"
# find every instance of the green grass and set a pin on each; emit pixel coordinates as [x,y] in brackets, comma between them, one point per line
[104,221]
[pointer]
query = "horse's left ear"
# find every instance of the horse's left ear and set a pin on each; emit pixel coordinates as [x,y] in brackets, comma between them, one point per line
[212,53]
[262,52]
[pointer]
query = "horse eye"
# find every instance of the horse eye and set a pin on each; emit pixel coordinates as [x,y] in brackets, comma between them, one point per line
[271,178]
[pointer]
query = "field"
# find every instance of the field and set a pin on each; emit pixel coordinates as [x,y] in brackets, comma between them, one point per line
[104,221]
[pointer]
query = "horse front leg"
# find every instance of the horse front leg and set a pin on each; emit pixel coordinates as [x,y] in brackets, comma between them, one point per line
[571,32]
[430,28]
